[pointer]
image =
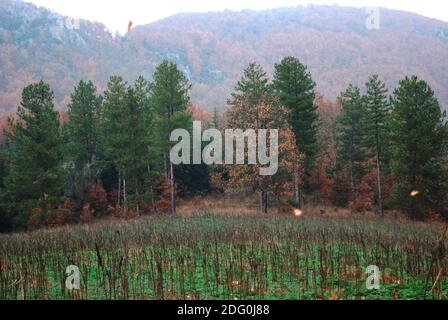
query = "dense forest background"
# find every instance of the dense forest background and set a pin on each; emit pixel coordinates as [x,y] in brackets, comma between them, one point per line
[212,49]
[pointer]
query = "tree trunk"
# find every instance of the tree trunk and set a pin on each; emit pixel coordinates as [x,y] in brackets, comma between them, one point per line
[263,202]
[89,172]
[297,193]
[380,192]
[167,164]
[413,204]
[119,190]
[151,190]
[352,183]
[124,195]
[173,189]
[137,202]
[414,214]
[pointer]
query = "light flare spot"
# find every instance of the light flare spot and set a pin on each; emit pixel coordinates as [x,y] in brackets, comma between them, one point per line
[415,193]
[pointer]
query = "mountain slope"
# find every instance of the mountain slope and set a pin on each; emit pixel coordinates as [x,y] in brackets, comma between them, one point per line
[213,48]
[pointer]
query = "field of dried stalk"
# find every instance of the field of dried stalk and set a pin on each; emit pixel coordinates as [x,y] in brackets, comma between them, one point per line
[208,255]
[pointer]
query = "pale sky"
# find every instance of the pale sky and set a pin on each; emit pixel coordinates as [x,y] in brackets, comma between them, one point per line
[116,14]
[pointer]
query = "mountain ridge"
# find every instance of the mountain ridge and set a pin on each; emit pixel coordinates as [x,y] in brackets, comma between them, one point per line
[213,49]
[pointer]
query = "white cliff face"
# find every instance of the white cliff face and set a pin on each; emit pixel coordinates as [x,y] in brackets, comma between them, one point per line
[58,29]
[29,21]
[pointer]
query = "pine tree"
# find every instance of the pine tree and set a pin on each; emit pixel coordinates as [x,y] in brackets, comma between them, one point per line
[252,89]
[151,158]
[126,122]
[35,175]
[170,100]
[136,150]
[419,138]
[82,137]
[294,88]
[351,152]
[377,112]
[83,126]
[113,130]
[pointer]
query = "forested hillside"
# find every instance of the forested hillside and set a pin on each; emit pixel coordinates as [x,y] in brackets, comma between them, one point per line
[213,48]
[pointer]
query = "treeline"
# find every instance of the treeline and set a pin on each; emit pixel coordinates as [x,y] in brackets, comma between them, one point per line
[110,154]
[388,152]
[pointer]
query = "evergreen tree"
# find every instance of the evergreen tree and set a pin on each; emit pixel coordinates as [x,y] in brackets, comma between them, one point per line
[252,89]
[294,88]
[113,130]
[83,126]
[351,152]
[170,100]
[34,177]
[126,136]
[136,155]
[418,134]
[82,137]
[377,112]
[151,158]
